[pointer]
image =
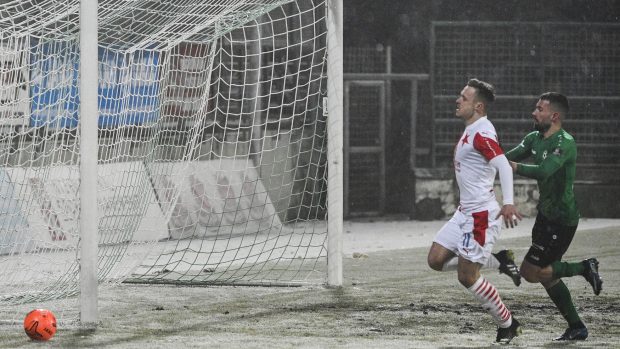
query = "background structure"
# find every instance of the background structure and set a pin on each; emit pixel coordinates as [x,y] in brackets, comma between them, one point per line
[523,47]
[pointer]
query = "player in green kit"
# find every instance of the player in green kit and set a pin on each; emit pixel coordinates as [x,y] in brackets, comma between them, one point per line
[553,154]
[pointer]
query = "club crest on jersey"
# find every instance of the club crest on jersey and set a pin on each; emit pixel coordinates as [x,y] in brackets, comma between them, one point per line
[544,155]
[465,139]
[557,152]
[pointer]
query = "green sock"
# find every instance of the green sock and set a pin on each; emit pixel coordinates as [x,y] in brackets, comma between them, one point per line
[560,295]
[566,269]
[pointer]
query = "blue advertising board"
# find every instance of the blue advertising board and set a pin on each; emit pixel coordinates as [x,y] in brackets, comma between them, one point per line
[128,86]
[54,86]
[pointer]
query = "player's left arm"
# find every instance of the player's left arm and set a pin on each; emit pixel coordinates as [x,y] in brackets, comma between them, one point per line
[489,148]
[550,164]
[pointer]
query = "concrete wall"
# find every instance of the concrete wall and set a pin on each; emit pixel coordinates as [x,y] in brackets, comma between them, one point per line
[436,196]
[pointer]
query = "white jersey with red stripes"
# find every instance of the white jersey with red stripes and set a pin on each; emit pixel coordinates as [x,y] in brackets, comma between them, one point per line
[474,175]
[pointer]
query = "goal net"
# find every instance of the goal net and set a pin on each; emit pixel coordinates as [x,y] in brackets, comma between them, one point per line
[212,146]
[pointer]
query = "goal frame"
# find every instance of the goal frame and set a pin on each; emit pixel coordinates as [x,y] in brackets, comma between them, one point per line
[89,72]
[88,163]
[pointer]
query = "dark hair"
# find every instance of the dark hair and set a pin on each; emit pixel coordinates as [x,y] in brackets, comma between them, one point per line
[557,101]
[484,91]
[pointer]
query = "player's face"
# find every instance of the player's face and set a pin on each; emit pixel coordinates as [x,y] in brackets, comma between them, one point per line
[542,116]
[465,104]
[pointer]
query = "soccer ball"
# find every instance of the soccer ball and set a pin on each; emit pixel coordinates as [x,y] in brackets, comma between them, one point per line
[40,324]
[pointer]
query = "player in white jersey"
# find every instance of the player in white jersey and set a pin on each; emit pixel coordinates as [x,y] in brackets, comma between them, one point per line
[473,229]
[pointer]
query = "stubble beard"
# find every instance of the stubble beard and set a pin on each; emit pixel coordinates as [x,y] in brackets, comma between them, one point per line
[542,128]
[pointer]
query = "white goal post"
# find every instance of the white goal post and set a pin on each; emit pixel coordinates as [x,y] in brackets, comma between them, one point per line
[89,114]
[335,142]
[182,142]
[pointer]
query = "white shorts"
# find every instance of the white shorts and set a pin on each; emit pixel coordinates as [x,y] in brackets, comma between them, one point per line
[471,235]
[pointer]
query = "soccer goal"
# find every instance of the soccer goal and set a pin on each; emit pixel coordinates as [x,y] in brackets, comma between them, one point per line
[176,142]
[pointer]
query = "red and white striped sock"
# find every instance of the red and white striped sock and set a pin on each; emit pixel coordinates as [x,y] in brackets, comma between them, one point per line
[488,296]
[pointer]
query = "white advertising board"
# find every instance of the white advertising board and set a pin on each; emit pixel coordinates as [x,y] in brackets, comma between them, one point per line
[39,207]
[14,82]
[204,197]
[48,199]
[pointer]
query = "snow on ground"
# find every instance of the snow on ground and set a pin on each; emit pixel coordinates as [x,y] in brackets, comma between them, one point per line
[381,235]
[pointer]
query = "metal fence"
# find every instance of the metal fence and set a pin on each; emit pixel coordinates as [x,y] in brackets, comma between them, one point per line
[523,60]
[364,132]
[374,98]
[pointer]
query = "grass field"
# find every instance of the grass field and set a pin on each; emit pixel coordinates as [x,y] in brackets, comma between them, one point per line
[391,299]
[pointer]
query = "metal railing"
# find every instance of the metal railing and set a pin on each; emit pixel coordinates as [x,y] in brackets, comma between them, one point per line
[524,60]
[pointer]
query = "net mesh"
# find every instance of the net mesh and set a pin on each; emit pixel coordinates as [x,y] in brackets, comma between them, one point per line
[212,144]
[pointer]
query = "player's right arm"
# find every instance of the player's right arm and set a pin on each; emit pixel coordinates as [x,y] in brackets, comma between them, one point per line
[523,150]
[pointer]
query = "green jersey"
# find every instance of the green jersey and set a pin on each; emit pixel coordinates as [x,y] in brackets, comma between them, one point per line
[554,161]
